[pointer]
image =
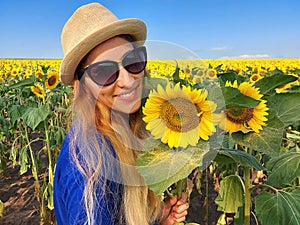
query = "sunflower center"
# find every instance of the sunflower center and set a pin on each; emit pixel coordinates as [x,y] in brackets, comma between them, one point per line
[255,78]
[180,115]
[51,80]
[239,115]
[38,91]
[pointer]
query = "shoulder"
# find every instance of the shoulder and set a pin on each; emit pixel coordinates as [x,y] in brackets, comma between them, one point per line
[69,185]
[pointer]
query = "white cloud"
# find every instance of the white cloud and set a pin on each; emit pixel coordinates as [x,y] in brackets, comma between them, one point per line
[255,56]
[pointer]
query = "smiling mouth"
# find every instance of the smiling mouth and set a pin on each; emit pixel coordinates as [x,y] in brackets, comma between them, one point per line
[127,95]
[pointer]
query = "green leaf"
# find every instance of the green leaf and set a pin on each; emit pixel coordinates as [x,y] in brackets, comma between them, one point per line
[50,196]
[238,156]
[152,82]
[234,98]
[1,209]
[23,160]
[269,83]
[13,155]
[230,76]
[152,143]
[296,71]
[286,106]
[175,75]
[215,94]
[59,135]
[34,116]
[279,208]
[15,112]
[267,141]
[284,168]
[3,160]
[230,196]
[24,83]
[162,167]
[4,123]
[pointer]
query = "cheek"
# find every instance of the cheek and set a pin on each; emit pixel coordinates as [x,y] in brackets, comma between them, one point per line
[102,94]
[105,96]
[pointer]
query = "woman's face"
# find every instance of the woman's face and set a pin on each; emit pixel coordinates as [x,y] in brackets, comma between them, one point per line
[125,93]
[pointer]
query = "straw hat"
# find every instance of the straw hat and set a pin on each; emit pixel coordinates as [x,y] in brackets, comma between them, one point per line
[89,26]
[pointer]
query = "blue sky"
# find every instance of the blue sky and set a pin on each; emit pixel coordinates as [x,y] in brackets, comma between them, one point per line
[211,29]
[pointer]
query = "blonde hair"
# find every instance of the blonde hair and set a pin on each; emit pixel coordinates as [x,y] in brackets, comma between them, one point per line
[139,204]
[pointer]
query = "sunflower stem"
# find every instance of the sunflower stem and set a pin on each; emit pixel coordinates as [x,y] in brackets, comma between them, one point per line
[179,193]
[51,172]
[247,179]
[248,186]
[179,189]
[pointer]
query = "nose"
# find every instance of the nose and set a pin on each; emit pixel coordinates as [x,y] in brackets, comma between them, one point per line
[125,78]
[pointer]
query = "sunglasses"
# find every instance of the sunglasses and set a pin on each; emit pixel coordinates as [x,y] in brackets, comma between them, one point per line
[106,72]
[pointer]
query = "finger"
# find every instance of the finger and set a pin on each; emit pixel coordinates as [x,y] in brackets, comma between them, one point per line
[183,198]
[173,200]
[179,217]
[180,208]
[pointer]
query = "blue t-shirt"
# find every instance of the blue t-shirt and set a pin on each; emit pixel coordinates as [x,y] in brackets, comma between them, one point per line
[68,191]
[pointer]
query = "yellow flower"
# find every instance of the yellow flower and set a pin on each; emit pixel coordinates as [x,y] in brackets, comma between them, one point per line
[1,79]
[282,88]
[187,70]
[39,74]
[28,73]
[179,116]
[38,90]
[238,70]
[52,80]
[255,77]
[211,74]
[14,72]
[245,119]
[197,79]
[7,73]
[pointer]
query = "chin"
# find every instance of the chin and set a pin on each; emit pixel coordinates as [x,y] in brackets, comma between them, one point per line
[129,109]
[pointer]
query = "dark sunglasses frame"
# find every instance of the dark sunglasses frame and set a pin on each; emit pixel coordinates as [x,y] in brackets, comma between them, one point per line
[115,65]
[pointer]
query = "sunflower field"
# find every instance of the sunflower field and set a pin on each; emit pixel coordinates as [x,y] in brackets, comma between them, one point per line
[246,136]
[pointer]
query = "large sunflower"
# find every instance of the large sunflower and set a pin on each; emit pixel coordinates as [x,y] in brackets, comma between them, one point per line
[245,119]
[179,116]
[52,80]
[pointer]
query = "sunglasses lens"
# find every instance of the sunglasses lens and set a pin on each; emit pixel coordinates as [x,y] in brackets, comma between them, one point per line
[135,61]
[104,73]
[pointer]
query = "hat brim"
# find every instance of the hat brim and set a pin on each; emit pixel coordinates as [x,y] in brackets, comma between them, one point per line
[133,27]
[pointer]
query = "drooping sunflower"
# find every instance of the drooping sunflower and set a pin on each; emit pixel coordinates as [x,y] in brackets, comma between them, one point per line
[179,116]
[38,90]
[52,80]
[245,119]
[39,73]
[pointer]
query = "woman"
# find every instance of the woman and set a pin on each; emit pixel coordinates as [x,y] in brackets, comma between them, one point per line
[96,181]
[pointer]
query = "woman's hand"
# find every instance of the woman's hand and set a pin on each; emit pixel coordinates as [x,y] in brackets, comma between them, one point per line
[174,210]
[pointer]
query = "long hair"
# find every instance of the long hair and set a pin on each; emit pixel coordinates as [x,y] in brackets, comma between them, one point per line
[139,204]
